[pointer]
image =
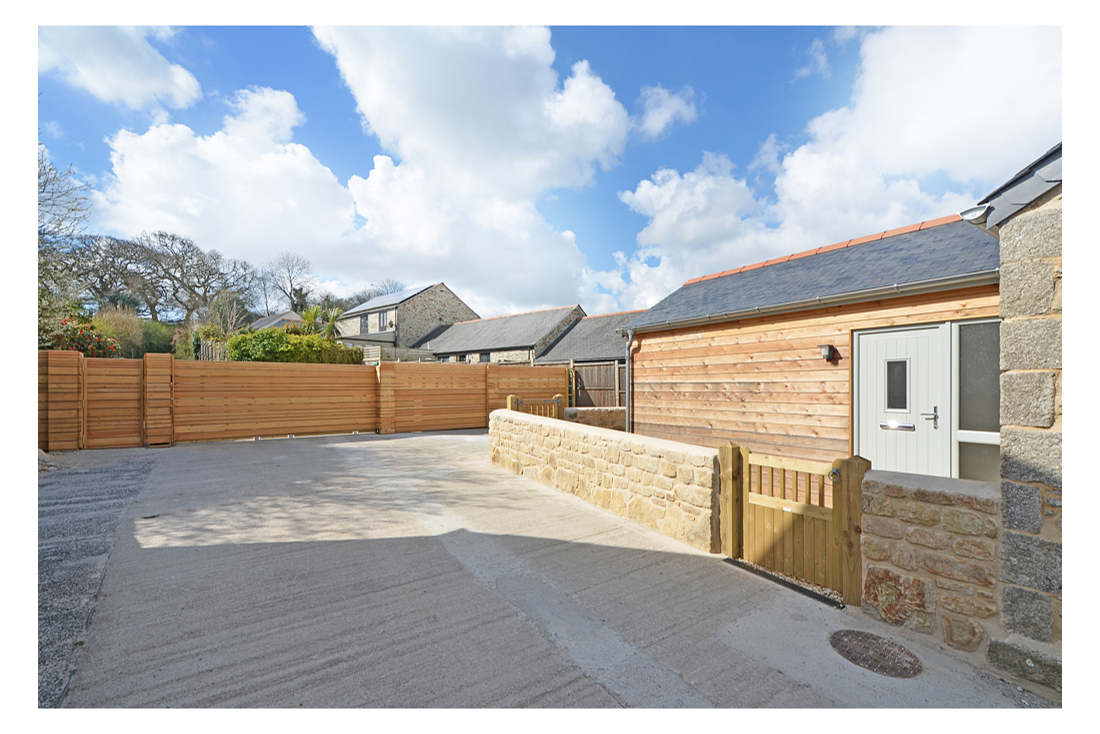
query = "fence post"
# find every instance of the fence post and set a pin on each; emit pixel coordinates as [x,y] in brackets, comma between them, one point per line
[729,513]
[512,402]
[156,400]
[847,520]
[559,406]
[64,399]
[387,417]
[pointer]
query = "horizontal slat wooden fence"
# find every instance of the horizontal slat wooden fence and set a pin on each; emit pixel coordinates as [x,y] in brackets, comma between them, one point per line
[100,403]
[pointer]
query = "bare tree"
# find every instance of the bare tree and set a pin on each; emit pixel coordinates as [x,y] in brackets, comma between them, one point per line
[387,286]
[292,276]
[193,277]
[62,209]
[62,203]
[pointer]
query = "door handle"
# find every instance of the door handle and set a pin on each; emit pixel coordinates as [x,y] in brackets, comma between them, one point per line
[934,416]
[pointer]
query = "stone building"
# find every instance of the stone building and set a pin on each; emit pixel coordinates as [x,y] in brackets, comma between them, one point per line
[1025,213]
[513,338]
[389,326]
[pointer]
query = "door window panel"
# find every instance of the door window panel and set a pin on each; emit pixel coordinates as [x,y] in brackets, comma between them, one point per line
[897,384]
[979,378]
[980,461]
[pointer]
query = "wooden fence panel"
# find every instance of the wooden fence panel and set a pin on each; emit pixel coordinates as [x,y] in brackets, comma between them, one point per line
[597,385]
[502,380]
[112,395]
[64,400]
[157,399]
[432,397]
[221,400]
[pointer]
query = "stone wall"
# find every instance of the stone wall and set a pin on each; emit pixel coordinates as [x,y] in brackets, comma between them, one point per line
[931,550]
[1031,443]
[934,551]
[613,418]
[425,311]
[668,486]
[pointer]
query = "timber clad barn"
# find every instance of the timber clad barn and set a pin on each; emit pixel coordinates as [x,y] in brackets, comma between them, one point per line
[763,355]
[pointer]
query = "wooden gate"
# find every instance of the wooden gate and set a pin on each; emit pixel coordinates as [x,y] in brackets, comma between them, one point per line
[799,518]
[597,384]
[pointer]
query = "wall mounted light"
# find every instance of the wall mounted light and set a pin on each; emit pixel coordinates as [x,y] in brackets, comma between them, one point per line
[829,352]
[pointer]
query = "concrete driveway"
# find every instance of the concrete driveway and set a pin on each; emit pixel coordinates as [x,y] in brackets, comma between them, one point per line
[407,571]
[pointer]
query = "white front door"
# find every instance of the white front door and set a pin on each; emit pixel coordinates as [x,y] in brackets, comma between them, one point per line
[903,399]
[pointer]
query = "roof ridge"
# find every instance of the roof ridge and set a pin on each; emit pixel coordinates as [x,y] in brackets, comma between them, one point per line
[510,315]
[615,313]
[928,224]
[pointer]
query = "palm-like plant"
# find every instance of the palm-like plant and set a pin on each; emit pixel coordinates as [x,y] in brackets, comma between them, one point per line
[311,320]
[329,317]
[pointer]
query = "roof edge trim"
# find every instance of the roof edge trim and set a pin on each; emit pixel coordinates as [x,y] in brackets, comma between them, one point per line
[985,277]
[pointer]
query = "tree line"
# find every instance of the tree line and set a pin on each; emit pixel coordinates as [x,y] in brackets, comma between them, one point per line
[160,275]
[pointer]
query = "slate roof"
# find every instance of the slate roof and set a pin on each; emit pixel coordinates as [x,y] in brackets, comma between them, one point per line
[591,339]
[389,299]
[919,254]
[266,321]
[1036,179]
[518,331]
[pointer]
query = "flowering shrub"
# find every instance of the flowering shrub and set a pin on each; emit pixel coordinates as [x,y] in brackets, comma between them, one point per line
[83,337]
[276,345]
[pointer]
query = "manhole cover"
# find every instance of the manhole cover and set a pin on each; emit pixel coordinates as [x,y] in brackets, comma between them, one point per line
[877,654]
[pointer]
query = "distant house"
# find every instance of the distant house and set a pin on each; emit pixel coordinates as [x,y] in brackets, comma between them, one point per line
[515,338]
[590,339]
[388,326]
[277,320]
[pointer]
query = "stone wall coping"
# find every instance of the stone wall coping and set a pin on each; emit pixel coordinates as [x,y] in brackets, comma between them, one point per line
[945,485]
[608,433]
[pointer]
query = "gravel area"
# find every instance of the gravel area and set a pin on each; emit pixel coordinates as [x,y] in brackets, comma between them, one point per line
[79,506]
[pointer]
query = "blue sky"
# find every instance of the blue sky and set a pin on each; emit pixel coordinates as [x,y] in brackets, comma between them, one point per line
[534,168]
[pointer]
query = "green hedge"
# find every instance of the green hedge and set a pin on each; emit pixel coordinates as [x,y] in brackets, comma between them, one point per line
[275,345]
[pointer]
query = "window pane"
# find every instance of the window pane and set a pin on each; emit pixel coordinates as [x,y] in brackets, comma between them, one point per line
[979,377]
[980,461]
[896,387]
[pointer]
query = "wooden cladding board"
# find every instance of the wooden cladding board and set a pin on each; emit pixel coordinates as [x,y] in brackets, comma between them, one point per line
[761,382]
[112,400]
[220,400]
[533,383]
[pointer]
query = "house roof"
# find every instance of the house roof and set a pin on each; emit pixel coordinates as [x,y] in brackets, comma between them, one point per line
[591,339]
[931,255]
[388,299]
[1036,179]
[516,331]
[266,321]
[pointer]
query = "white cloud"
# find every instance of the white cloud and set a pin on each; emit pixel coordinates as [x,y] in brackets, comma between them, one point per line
[662,109]
[819,61]
[52,128]
[116,64]
[478,126]
[245,190]
[867,166]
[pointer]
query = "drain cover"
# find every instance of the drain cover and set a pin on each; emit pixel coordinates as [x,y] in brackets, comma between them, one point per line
[877,654]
